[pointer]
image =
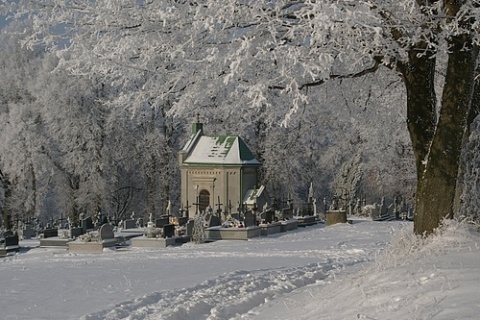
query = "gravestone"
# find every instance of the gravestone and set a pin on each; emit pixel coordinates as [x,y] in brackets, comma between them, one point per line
[189,228]
[168,230]
[212,220]
[106,239]
[250,219]
[106,232]
[50,233]
[86,224]
[336,216]
[287,214]
[129,224]
[28,232]
[10,241]
[269,216]
[160,222]
[76,232]
[182,221]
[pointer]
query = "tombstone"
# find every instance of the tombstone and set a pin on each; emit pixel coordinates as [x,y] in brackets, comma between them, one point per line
[28,232]
[50,233]
[287,214]
[212,220]
[76,232]
[250,219]
[168,230]
[190,224]
[86,224]
[269,216]
[10,241]
[182,221]
[336,216]
[129,224]
[162,221]
[106,232]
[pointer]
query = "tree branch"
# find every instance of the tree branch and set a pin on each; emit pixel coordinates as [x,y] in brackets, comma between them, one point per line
[376,63]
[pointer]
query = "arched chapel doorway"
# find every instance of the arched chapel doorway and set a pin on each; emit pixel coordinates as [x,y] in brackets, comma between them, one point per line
[203,200]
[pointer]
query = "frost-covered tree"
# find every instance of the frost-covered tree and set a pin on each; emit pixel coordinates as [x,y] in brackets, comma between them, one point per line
[188,49]
[19,161]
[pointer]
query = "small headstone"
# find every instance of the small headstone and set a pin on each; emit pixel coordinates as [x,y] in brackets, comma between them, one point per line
[287,214]
[190,224]
[168,230]
[213,221]
[76,232]
[106,232]
[129,224]
[11,239]
[28,232]
[49,233]
[336,216]
[86,224]
[249,219]
[182,221]
[160,222]
[269,216]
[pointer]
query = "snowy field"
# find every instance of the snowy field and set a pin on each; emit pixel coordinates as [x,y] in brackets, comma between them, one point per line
[364,270]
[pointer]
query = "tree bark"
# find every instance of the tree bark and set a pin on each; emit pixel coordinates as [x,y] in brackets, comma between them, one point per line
[419,78]
[438,176]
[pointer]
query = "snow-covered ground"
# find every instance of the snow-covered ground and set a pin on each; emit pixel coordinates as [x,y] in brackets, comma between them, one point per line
[364,270]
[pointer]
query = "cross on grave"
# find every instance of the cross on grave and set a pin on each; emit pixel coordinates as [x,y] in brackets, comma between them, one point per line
[186,210]
[60,220]
[229,206]
[219,210]
[197,204]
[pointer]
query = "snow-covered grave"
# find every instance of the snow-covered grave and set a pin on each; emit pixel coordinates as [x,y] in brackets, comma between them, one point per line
[270,228]
[232,233]
[8,242]
[335,216]
[364,270]
[155,237]
[53,237]
[288,225]
[94,242]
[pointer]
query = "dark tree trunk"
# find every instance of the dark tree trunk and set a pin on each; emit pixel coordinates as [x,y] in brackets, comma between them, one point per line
[419,78]
[437,176]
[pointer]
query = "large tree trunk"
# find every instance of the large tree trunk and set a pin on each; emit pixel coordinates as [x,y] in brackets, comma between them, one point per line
[419,78]
[438,176]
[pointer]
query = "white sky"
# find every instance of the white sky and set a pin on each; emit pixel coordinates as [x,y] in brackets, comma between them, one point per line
[336,272]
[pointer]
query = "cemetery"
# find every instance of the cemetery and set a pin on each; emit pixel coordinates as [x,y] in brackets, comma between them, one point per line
[91,236]
[216,172]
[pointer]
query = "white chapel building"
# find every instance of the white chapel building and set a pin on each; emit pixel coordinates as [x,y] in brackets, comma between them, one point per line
[217,173]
